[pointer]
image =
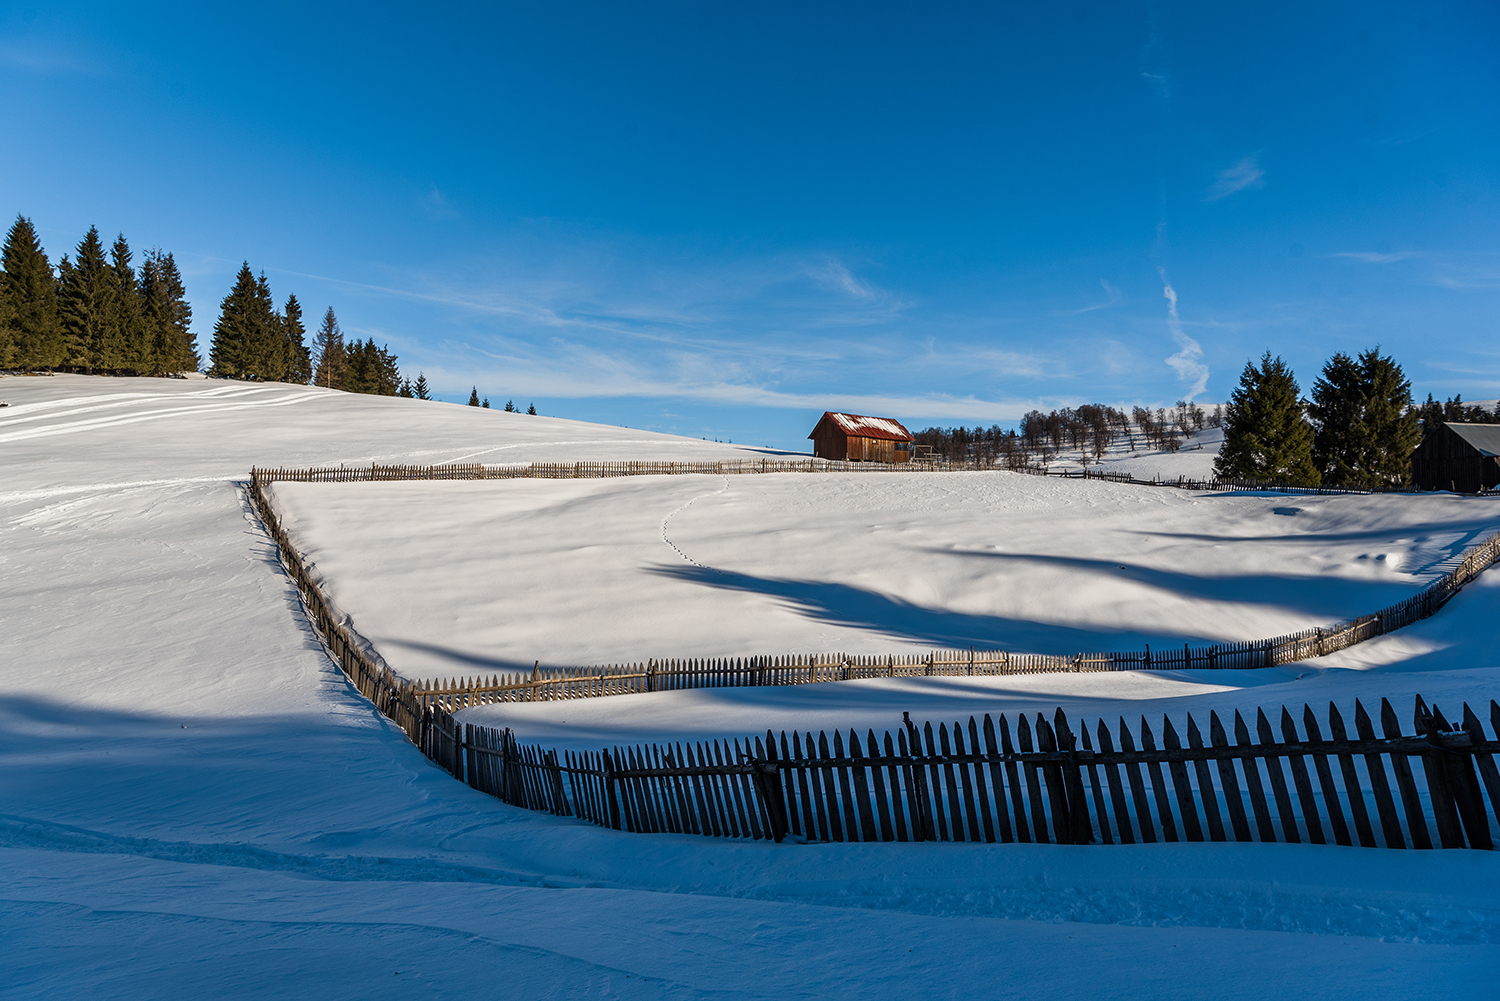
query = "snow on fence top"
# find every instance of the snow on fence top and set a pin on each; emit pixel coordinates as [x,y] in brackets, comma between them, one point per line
[758,791]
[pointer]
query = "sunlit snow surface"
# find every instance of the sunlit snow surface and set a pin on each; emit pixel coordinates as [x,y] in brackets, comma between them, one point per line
[194,803]
[456,578]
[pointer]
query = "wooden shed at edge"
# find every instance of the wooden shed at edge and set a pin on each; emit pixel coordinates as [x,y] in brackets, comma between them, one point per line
[1461,457]
[860,439]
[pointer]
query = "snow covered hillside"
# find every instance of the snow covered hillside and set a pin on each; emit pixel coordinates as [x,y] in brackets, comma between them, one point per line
[1194,460]
[196,803]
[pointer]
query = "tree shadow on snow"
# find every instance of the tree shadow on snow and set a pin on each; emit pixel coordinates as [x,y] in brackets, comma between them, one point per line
[858,608]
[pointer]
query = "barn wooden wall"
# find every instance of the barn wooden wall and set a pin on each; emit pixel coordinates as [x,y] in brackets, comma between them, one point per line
[1444,461]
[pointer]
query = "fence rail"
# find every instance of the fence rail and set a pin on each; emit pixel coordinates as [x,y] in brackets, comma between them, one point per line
[760,790]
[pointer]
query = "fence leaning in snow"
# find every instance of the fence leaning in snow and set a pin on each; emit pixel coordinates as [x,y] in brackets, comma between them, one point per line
[1048,785]
[731,791]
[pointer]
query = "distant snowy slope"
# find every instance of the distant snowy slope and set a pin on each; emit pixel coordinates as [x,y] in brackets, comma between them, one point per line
[1193,460]
[194,803]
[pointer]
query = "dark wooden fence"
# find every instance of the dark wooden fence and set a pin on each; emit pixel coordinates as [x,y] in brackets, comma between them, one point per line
[908,788]
[1034,782]
[603,470]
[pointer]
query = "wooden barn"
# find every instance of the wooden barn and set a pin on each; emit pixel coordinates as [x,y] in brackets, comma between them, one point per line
[861,439]
[1461,457]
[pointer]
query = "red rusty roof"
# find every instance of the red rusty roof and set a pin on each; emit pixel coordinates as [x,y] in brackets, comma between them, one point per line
[857,426]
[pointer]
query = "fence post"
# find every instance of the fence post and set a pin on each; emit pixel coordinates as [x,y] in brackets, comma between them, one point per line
[1079,826]
[1445,784]
[461,741]
[922,828]
[609,790]
[766,778]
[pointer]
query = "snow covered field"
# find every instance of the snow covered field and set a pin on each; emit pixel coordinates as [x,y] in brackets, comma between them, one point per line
[196,803]
[461,578]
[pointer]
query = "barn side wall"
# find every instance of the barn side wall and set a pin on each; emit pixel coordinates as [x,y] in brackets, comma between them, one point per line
[878,450]
[830,446]
[1444,461]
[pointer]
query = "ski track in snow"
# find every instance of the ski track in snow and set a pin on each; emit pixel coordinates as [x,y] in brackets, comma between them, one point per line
[76,427]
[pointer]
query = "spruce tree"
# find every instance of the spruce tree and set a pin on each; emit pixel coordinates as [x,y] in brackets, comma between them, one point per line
[1388,430]
[1367,426]
[84,305]
[299,360]
[486,403]
[127,328]
[531,410]
[328,351]
[510,406]
[7,325]
[270,356]
[30,331]
[389,373]
[474,397]
[1265,434]
[167,315]
[1336,407]
[359,374]
[406,390]
[371,370]
[238,333]
[420,389]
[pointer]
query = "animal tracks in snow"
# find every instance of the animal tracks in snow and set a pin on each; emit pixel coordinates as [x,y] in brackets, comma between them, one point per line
[667,520]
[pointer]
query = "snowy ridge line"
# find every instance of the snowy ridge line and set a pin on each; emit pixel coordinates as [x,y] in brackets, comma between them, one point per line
[743,793]
[760,791]
[601,470]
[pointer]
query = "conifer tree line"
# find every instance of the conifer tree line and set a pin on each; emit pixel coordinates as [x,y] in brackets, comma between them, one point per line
[97,312]
[1359,428]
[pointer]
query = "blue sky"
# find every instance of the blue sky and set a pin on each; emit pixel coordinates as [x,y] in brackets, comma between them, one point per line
[722,219]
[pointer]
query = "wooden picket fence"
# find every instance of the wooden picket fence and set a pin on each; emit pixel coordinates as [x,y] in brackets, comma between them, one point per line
[1047,785]
[603,470]
[727,789]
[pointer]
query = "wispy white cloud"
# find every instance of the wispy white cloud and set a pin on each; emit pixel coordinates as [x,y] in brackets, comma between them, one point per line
[437,205]
[1247,173]
[1405,137]
[1375,257]
[1473,280]
[834,274]
[1111,297]
[1188,361]
[40,57]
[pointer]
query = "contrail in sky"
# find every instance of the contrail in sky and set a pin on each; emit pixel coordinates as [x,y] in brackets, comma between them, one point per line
[1188,361]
